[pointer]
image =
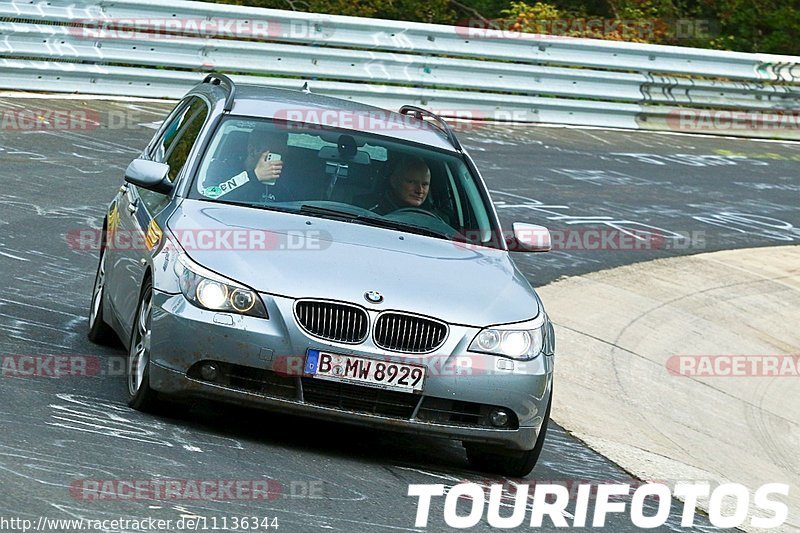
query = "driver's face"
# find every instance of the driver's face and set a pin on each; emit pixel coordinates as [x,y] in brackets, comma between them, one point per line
[412,187]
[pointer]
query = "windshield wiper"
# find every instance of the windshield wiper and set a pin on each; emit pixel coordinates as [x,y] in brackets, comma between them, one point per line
[265,207]
[327,212]
[371,221]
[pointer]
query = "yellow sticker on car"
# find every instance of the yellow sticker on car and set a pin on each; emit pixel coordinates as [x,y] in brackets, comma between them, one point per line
[113,219]
[153,235]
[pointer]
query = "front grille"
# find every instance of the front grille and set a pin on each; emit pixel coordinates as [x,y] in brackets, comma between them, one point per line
[332,321]
[409,333]
[360,399]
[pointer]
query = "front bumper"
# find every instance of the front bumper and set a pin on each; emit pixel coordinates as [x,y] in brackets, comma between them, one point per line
[265,359]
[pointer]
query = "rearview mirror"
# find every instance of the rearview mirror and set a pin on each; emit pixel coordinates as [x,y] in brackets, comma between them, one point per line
[530,238]
[149,175]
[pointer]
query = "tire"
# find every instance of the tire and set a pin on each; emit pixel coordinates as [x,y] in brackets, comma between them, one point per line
[509,463]
[140,396]
[99,331]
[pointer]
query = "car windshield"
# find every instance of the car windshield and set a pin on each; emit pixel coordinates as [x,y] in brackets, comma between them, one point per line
[352,176]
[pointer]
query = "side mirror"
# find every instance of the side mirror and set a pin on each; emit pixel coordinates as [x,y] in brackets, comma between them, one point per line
[149,175]
[530,238]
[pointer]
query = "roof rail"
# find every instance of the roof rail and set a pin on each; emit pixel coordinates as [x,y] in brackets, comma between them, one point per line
[222,79]
[440,123]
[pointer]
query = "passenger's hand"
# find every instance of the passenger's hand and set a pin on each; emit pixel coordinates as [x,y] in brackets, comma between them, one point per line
[268,172]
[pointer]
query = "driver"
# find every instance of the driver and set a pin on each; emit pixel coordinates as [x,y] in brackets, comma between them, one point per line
[409,185]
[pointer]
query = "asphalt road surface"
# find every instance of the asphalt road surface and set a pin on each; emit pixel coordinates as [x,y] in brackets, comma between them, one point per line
[668,195]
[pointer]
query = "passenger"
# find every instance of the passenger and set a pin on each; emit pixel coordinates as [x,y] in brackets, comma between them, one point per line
[255,178]
[409,185]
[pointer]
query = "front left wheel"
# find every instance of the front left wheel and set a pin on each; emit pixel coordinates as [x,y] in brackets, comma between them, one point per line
[141,396]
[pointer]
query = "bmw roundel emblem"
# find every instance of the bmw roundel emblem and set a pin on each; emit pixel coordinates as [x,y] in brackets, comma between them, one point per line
[373,297]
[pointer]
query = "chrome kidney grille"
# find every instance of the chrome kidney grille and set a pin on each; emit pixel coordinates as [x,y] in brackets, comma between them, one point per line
[332,321]
[400,332]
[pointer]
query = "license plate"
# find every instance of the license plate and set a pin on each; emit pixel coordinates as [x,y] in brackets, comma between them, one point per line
[359,370]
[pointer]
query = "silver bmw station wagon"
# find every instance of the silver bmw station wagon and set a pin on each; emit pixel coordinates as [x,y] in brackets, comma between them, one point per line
[313,256]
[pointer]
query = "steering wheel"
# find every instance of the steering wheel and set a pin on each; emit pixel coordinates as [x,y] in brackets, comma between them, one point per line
[417,210]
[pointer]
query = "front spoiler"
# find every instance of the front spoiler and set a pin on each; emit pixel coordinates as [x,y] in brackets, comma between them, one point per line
[179,386]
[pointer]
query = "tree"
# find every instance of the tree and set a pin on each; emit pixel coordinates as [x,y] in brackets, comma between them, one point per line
[769,26]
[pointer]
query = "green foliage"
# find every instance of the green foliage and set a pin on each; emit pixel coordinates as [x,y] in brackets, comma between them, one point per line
[438,11]
[771,26]
[768,26]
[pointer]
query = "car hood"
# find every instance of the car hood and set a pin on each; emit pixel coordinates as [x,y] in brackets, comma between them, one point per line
[301,256]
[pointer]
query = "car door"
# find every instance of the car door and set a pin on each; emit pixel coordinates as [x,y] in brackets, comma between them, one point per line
[119,255]
[138,207]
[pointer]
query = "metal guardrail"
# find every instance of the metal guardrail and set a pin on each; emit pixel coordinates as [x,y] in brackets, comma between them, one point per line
[63,46]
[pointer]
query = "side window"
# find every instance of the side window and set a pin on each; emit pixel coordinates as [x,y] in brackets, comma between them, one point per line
[167,136]
[182,143]
[456,198]
[478,220]
[174,146]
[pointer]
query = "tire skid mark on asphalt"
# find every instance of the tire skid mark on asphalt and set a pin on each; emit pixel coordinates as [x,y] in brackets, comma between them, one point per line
[783,456]
[90,216]
[79,156]
[616,343]
[56,280]
[47,469]
[87,142]
[279,472]
[162,460]
[632,228]
[96,415]
[11,256]
[35,156]
[57,259]
[754,412]
[26,340]
[23,325]
[77,169]
[4,301]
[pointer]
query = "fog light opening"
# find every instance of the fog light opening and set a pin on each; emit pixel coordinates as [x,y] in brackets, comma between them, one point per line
[499,418]
[209,372]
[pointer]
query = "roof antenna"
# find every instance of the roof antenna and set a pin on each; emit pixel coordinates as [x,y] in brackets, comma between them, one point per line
[306,89]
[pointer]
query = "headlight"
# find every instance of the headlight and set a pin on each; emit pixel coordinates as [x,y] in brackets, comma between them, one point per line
[523,340]
[208,290]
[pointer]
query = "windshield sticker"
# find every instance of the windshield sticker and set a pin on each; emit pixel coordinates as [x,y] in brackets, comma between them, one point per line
[225,187]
